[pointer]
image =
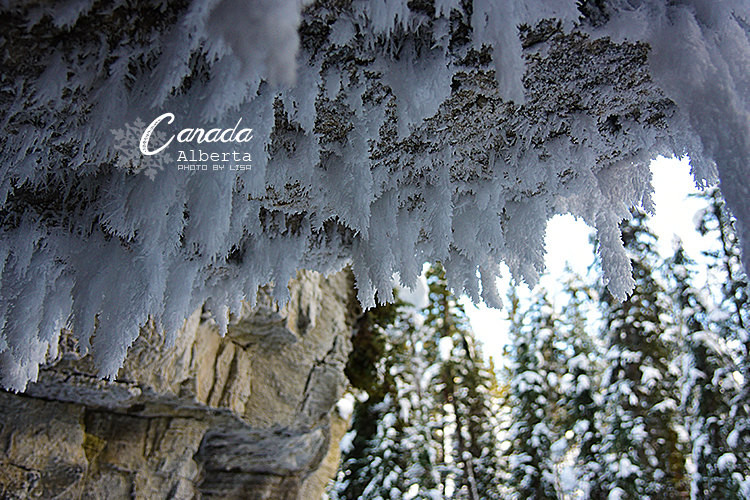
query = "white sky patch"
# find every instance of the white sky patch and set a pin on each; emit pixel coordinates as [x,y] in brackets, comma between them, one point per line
[675,209]
[491,328]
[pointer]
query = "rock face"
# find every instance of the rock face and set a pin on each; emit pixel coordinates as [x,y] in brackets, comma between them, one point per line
[245,416]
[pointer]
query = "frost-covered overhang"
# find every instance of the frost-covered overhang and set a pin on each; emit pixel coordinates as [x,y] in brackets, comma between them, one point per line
[384,135]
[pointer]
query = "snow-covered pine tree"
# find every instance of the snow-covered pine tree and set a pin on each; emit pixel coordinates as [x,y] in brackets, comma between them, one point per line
[427,428]
[482,426]
[533,399]
[372,465]
[729,319]
[385,133]
[641,453]
[462,391]
[708,389]
[716,220]
[580,386]
[392,452]
[365,374]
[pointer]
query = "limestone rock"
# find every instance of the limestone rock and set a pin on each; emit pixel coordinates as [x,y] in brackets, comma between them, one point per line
[244,416]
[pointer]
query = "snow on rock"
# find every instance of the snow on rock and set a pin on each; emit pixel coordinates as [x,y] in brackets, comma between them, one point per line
[385,134]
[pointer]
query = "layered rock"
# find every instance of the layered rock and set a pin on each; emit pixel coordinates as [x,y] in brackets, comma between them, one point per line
[244,416]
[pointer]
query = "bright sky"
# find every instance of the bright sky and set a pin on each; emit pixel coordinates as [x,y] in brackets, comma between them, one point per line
[567,241]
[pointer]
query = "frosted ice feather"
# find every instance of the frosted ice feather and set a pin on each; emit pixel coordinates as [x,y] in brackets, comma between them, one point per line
[383,138]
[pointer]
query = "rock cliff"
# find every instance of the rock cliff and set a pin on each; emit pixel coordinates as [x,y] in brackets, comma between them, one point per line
[245,416]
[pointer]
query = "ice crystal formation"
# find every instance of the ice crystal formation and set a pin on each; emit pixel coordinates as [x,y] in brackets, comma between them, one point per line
[387,133]
[126,144]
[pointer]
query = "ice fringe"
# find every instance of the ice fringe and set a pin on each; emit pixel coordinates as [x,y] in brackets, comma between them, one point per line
[358,162]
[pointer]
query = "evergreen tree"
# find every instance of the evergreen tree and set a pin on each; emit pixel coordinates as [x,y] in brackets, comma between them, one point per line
[708,389]
[425,427]
[463,393]
[729,320]
[533,397]
[392,450]
[641,454]
[371,456]
[580,385]
[717,220]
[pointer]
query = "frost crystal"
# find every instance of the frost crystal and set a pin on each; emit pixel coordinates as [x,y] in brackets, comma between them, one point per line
[385,134]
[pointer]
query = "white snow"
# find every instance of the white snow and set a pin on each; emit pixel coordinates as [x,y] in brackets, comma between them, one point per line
[727,462]
[345,406]
[651,376]
[616,494]
[626,468]
[558,449]
[347,441]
